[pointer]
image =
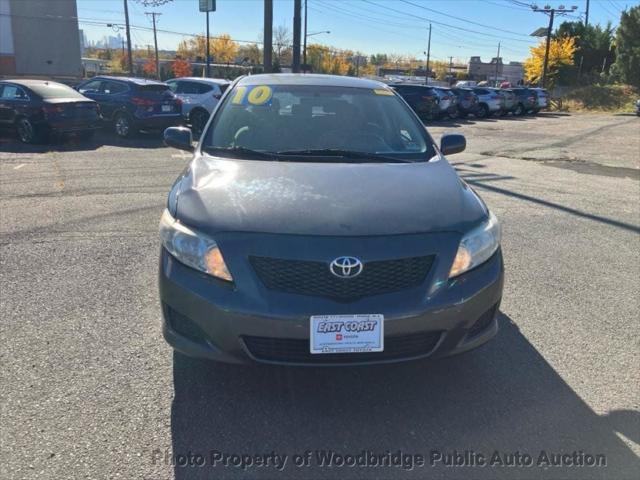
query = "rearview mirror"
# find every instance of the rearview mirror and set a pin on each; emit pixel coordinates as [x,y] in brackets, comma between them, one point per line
[179,137]
[452,143]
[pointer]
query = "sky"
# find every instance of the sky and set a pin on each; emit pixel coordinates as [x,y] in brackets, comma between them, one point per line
[460,28]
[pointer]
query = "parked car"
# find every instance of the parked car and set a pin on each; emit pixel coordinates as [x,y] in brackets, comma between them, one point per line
[466,84]
[638,107]
[508,100]
[330,233]
[199,97]
[422,99]
[526,100]
[542,99]
[448,104]
[39,108]
[133,104]
[489,102]
[467,101]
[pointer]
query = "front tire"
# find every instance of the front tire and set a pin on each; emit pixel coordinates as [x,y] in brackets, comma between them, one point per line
[519,111]
[122,125]
[483,111]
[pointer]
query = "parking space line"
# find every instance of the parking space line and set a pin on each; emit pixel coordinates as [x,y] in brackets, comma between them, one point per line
[18,167]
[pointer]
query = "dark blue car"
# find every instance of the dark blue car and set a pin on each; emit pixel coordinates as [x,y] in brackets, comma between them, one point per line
[133,104]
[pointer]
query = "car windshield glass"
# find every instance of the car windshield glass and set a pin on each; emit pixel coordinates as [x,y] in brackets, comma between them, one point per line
[311,119]
[55,90]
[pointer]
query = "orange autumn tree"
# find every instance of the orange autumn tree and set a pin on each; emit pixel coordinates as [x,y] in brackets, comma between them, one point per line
[181,68]
[149,67]
[561,52]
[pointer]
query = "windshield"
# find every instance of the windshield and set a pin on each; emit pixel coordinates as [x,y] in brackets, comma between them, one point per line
[55,90]
[312,120]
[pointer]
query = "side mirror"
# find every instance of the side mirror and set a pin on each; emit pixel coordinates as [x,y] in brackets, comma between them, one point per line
[452,143]
[179,137]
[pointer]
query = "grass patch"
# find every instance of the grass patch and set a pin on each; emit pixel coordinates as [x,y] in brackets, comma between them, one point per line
[602,98]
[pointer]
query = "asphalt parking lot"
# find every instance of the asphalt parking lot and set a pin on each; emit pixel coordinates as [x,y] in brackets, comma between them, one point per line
[90,389]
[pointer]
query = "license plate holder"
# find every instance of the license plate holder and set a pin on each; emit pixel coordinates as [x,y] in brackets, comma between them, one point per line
[362,333]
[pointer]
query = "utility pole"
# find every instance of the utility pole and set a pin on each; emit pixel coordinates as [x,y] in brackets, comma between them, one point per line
[551,12]
[586,15]
[268,36]
[207,53]
[546,53]
[126,21]
[297,21]
[497,60]
[450,69]
[304,48]
[155,41]
[426,75]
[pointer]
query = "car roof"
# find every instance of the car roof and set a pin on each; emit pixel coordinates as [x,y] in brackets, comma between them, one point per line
[410,85]
[310,79]
[135,80]
[217,81]
[25,82]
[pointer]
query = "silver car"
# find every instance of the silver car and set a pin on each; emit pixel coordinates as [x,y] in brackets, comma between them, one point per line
[199,97]
[489,101]
[543,99]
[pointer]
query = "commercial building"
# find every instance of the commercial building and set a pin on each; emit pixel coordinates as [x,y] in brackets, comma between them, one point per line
[512,72]
[39,38]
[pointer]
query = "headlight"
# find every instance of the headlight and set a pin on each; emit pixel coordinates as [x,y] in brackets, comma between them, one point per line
[192,248]
[477,246]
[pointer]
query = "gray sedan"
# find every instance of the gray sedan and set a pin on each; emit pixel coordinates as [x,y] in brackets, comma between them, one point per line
[320,224]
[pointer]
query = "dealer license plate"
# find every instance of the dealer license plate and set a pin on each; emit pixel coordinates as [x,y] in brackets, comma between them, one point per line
[166,108]
[347,333]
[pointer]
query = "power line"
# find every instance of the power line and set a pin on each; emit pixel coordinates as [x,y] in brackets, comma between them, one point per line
[446,24]
[314,8]
[462,19]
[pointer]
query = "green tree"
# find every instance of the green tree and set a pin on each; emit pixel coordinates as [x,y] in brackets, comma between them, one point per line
[594,46]
[627,65]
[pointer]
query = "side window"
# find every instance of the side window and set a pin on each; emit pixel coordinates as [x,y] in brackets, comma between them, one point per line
[92,86]
[12,92]
[174,86]
[204,88]
[113,88]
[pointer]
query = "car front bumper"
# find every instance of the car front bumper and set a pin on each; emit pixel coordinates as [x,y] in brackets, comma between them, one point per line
[198,321]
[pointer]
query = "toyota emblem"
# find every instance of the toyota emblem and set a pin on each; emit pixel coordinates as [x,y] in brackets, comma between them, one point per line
[346,267]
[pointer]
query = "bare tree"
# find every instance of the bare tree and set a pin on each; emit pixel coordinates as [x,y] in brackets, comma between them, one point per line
[282,45]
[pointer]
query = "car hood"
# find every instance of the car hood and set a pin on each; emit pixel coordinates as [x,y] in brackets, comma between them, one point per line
[222,195]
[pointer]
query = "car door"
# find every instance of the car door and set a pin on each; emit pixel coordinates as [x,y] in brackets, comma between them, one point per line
[113,97]
[208,95]
[14,100]
[93,90]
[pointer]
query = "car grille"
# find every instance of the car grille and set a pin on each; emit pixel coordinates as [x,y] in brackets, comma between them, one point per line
[315,279]
[290,350]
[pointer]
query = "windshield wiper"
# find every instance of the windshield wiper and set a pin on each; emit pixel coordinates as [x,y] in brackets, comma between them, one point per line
[239,151]
[348,154]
